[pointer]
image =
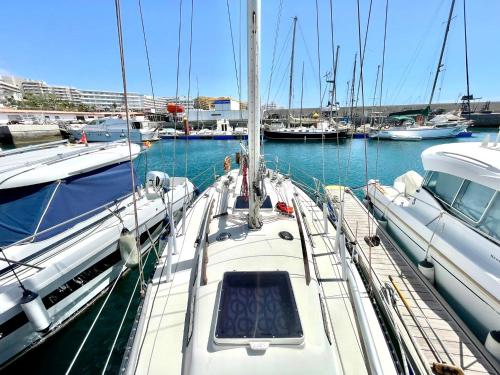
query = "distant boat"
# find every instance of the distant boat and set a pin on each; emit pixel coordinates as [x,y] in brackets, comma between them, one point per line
[66,228]
[410,126]
[112,129]
[322,131]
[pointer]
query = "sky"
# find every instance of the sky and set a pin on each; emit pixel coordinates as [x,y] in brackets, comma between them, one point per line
[74,43]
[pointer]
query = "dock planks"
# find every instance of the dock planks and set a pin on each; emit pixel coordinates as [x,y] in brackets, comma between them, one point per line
[447,334]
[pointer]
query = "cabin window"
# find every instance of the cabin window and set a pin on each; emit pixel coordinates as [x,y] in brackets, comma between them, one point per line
[490,224]
[444,186]
[257,305]
[473,199]
[136,125]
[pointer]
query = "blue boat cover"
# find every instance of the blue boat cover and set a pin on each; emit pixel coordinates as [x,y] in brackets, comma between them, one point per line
[24,209]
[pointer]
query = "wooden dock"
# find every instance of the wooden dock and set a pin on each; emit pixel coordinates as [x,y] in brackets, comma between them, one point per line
[434,334]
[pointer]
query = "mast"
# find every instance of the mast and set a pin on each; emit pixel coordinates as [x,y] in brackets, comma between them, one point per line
[442,52]
[291,71]
[466,62]
[254,221]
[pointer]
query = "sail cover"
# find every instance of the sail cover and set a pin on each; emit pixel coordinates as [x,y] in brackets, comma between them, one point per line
[45,210]
[412,112]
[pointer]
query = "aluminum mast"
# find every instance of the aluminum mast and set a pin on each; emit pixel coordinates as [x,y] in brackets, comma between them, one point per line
[253,62]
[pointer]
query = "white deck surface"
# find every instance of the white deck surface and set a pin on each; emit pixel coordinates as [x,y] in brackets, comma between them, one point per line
[160,344]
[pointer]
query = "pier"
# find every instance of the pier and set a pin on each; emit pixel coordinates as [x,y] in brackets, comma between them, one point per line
[424,323]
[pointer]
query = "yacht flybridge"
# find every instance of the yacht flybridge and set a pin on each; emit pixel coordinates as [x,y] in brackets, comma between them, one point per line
[68,230]
[449,222]
[258,282]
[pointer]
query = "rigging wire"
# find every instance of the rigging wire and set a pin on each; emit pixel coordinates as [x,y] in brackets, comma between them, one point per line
[147,55]
[232,44]
[186,144]
[381,86]
[176,103]
[362,54]
[361,84]
[319,57]
[274,51]
[124,82]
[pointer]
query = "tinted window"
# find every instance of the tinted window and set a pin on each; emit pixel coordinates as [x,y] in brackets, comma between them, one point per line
[444,185]
[473,199]
[257,305]
[490,224]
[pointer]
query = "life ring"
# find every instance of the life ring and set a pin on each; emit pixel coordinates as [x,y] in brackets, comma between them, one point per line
[283,208]
[227,164]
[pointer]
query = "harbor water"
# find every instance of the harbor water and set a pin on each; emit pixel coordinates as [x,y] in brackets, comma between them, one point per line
[350,162]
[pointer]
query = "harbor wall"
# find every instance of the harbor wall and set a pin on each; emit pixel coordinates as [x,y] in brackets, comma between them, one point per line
[20,133]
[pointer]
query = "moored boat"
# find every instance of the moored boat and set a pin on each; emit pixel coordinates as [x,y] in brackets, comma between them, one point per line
[67,228]
[448,221]
[113,129]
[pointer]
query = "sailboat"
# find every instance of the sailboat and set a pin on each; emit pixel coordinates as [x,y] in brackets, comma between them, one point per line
[411,125]
[258,281]
[319,131]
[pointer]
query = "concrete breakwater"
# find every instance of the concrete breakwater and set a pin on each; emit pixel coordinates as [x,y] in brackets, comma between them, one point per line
[21,133]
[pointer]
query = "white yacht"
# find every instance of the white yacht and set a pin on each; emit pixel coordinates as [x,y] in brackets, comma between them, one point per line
[255,284]
[113,129]
[449,222]
[410,130]
[67,226]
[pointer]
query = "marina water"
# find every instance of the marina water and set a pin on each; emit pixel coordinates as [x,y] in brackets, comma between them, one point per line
[199,160]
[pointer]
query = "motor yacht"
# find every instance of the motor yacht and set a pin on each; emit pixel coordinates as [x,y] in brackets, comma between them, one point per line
[113,129]
[68,230]
[449,222]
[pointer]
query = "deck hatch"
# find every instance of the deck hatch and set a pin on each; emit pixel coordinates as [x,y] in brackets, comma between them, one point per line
[257,306]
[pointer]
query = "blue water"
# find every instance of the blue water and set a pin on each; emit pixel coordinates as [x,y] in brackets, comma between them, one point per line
[385,161]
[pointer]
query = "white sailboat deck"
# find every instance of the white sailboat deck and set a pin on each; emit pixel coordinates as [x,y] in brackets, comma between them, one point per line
[170,319]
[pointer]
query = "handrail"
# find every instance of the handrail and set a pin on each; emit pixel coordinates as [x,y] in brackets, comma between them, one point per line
[298,214]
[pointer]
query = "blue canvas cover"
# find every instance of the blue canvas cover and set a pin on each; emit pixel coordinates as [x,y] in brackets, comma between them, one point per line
[21,209]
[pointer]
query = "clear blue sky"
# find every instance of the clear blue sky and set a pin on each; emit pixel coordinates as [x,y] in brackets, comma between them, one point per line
[74,43]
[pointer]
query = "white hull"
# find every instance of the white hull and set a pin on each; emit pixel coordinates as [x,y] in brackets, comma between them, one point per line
[418,133]
[136,136]
[73,253]
[467,281]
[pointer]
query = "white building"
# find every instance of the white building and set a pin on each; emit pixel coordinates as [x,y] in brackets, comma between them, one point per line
[101,100]
[226,105]
[213,115]
[68,94]
[8,90]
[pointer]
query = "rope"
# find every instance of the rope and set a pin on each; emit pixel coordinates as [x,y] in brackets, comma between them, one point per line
[124,81]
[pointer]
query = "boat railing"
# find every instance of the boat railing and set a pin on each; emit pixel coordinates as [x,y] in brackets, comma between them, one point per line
[319,193]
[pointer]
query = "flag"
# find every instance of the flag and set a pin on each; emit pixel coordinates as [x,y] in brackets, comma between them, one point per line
[83,138]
